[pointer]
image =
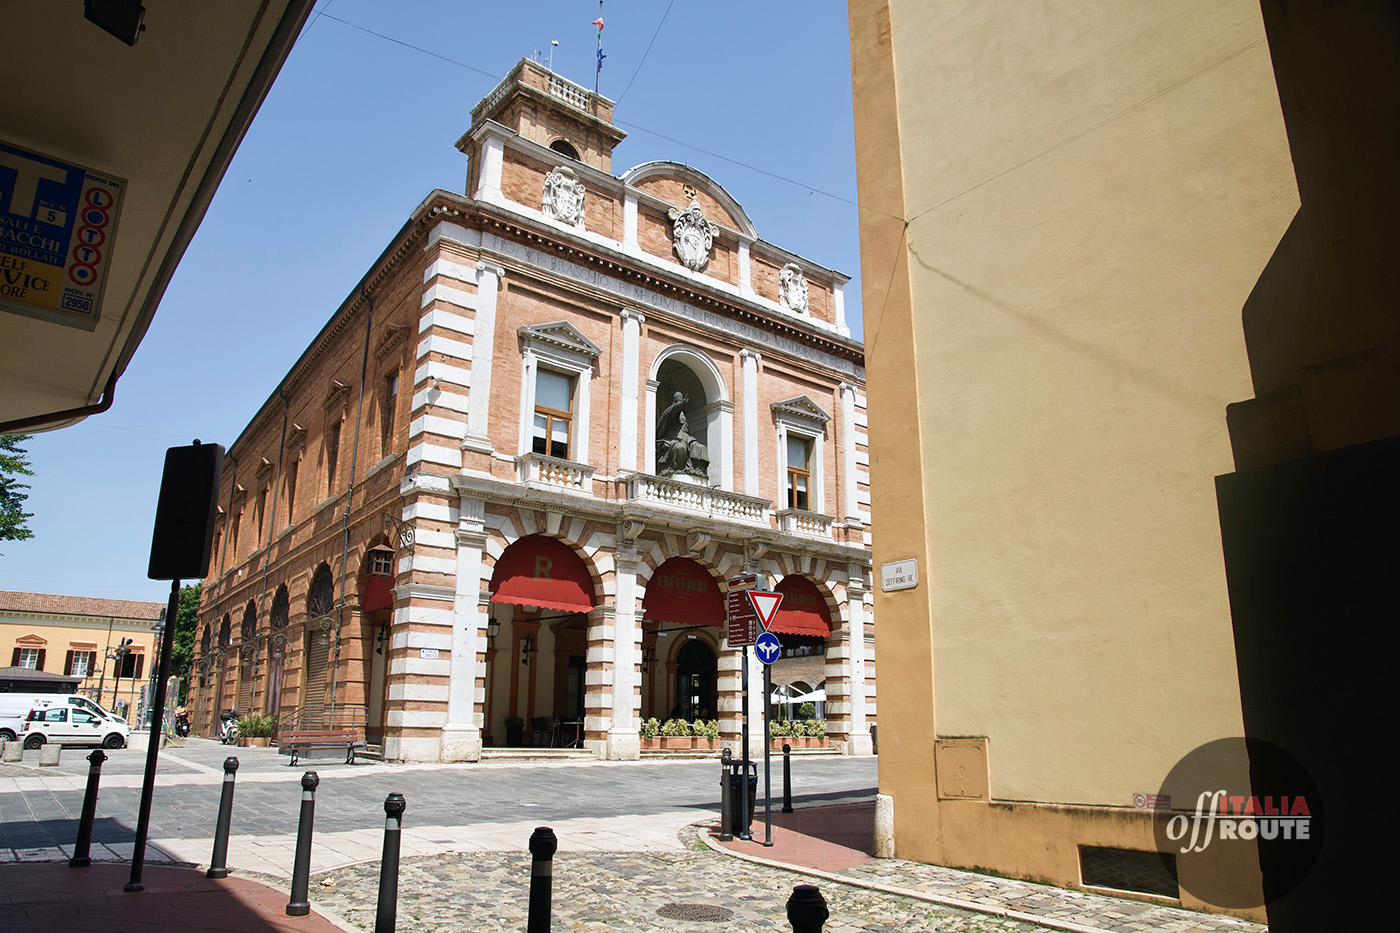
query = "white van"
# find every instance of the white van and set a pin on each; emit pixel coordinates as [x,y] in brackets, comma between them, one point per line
[66,719]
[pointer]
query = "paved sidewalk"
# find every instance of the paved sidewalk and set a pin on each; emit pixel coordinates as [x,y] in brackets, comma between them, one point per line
[835,842]
[51,896]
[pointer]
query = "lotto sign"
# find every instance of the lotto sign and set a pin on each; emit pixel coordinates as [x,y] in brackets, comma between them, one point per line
[57,225]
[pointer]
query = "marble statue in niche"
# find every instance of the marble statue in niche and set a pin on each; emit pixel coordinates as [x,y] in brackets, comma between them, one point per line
[678,453]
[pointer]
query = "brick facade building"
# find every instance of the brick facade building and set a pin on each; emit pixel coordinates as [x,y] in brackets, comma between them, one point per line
[513,472]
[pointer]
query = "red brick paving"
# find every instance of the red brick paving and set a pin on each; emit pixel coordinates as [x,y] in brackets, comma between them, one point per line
[824,838]
[49,896]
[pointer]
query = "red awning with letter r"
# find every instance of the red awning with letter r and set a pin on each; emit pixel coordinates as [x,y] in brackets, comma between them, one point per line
[682,592]
[544,572]
[803,611]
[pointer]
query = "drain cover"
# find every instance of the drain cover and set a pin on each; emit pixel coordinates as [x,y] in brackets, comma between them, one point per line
[701,912]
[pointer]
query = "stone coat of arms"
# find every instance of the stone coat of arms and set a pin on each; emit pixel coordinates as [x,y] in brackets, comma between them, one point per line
[693,234]
[792,288]
[563,197]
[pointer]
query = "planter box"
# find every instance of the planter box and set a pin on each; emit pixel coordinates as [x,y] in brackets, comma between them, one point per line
[651,744]
[677,741]
[259,741]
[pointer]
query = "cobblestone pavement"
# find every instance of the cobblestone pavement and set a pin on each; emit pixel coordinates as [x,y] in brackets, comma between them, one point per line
[1077,908]
[624,891]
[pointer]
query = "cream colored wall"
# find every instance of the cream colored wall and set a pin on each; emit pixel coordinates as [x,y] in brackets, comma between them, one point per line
[61,634]
[1093,191]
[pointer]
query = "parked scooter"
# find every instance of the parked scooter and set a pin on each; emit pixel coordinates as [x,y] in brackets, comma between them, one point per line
[182,722]
[228,726]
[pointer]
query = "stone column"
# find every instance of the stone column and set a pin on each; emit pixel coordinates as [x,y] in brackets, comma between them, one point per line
[488,183]
[483,341]
[624,738]
[598,682]
[857,741]
[848,452]
[649,436]
[629,223]
[461,735]
[631,362]
[750,377]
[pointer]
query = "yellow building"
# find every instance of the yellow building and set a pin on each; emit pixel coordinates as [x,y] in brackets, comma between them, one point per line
[1067,212]
[74,639]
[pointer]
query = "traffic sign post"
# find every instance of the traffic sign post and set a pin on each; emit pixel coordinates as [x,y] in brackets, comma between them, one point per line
[768,649]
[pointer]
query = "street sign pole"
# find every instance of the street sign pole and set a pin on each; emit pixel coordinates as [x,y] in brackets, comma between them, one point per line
[767,756]
[744,833]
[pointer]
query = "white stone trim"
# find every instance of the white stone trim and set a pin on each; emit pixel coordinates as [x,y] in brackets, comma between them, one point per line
[631,364]
[434,424]
[454,233]
[443,372]
[446,320]
[445,345]
[483,340]
[488,187]
[431,453]
[458,297]
[449,268]
[629,222]
[751,359]
[449,400]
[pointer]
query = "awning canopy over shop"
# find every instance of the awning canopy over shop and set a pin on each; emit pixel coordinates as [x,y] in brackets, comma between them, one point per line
[681,592]
[544,572]
[803,611]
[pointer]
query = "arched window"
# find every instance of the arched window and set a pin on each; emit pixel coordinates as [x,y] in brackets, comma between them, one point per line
[205,639]
[249,629]
[565,148]
[226,631]
[688,407]
[320,598]
[281,609]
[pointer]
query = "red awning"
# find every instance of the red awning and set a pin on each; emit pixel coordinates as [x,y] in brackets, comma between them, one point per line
[544,572]
[683,593]
[803,612]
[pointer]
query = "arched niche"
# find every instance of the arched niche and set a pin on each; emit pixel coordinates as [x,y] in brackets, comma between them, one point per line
[708,409]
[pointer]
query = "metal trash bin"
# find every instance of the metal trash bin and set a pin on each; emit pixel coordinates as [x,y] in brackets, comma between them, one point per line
[735,816]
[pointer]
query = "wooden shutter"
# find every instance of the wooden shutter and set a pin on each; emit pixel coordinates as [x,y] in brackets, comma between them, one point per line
[140,659]
[14,659]
[245,688]
[317,667]
[68,665]
[39,666]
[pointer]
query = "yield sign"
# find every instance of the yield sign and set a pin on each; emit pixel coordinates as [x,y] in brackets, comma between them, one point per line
[766,605]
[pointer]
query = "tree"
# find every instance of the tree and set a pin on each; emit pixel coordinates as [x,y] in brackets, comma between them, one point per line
[186,624]
[13,462]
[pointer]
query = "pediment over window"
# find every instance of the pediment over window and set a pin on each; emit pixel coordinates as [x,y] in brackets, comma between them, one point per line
[556,336]
[801,408]
[338,392]
[394,335]
[295,435]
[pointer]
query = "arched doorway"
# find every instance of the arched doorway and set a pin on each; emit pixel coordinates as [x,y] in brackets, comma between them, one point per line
[682,606]
[247,635]
[277,650]
[696,667]
[803,626]
[316,653]
[541,595]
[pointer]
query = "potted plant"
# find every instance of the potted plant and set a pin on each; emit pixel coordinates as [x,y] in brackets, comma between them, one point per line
[675,733]
[706,731]
[515,731]
[815,732]
[779,734]
[256,730]
[650,729]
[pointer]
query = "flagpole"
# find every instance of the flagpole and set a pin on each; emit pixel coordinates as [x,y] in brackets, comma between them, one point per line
[599,70]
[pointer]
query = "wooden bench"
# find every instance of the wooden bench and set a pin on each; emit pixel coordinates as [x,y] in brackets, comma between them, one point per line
[308,740]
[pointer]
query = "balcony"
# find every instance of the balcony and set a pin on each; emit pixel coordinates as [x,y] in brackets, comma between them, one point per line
[800,522]
[691,497]
[553,473]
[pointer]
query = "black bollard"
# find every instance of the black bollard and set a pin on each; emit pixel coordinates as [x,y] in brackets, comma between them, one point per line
[387,913]
[725,766]
[83,846]
[218,862]
[806,909]
[542,848]
[787,778]
[300,904]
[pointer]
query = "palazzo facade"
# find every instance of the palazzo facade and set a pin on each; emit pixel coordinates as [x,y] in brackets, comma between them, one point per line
[511,477]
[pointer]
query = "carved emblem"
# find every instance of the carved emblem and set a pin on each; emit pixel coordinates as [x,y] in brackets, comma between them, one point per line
[563,196]
[693,234]
[792,288]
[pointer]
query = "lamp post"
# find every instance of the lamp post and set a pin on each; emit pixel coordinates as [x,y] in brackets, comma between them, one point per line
[159,630]
[118,654]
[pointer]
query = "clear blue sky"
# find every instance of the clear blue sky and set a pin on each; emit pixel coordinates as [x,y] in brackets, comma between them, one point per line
[356,132]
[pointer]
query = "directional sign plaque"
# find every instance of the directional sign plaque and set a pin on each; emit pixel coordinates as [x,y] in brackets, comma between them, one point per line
[743,621]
